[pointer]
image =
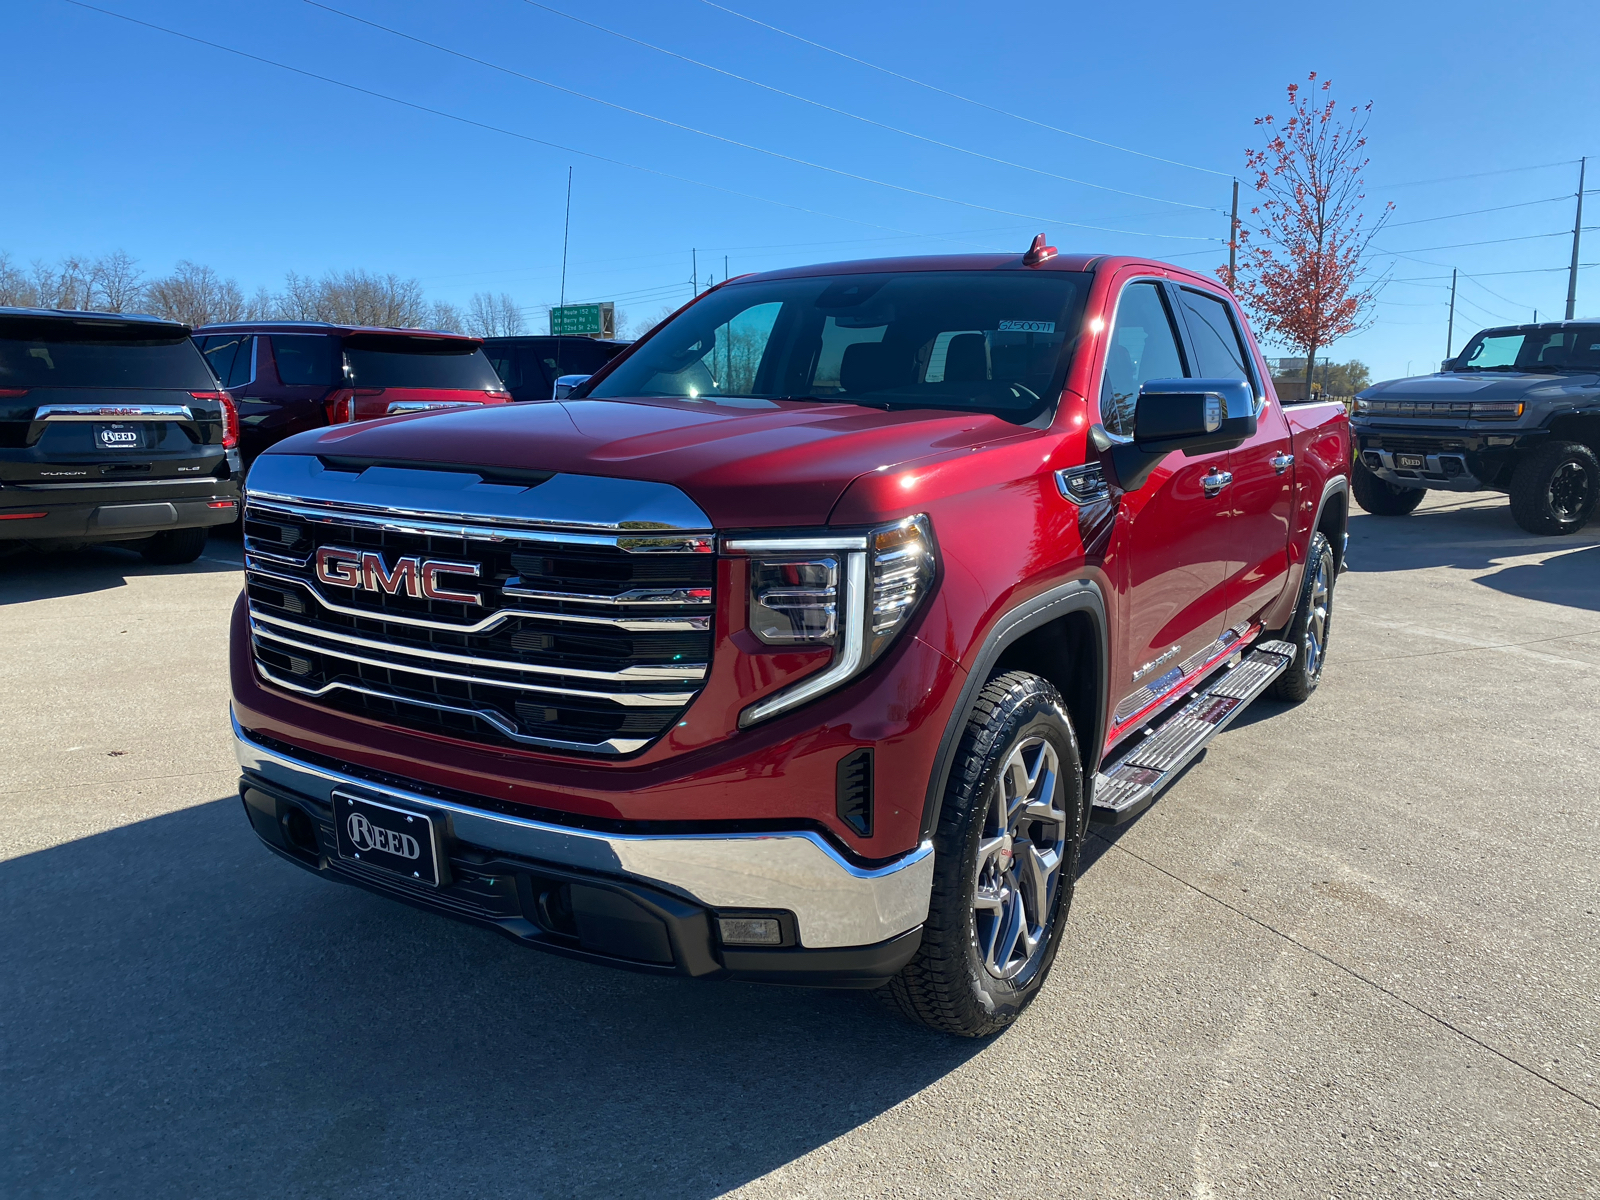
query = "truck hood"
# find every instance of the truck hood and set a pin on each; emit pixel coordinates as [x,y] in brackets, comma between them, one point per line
[747,463]
[1484,385]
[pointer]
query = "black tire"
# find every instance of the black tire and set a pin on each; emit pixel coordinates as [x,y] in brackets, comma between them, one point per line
[1381,498]
[950,984]
[1308,629]
[1554,489]
[175,546]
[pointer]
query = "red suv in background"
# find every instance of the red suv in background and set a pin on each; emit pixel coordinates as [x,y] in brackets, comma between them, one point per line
[290,376]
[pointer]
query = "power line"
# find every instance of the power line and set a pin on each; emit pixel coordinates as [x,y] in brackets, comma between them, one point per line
[1453,178]
[476,124]
[964,99]
[858,117]
[1477,211]
[1528,237]
[910,191]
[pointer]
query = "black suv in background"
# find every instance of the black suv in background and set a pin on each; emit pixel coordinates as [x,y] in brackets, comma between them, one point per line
[530,366]
[290,376]
[112,429]
[1517,411]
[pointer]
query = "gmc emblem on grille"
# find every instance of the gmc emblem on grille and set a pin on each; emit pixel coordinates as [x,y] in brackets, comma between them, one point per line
[416,577]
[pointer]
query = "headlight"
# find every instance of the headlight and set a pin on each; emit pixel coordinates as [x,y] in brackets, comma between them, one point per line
[1361,407]
[1497,410]
[854,593]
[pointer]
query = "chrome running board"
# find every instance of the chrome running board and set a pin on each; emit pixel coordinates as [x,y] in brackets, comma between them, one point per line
[1141,774]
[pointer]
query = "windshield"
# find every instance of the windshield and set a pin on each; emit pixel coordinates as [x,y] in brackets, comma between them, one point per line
[1533,348]
[988,341]
[414,362]
[91,354]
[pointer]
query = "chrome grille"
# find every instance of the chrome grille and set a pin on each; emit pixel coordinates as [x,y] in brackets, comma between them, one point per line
[586,643]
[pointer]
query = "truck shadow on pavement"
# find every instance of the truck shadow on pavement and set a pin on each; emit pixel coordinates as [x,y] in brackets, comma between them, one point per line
[186,1015]
[45,575]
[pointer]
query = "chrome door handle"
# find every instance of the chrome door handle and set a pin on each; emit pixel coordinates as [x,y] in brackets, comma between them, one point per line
[1282,462]
[1215,481]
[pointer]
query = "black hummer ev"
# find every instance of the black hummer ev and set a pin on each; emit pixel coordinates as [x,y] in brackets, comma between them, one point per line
[1517,411]
[112,429]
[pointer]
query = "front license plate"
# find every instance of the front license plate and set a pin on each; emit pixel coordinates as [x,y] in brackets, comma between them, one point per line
[401,840]
[1409,462]
[119,437]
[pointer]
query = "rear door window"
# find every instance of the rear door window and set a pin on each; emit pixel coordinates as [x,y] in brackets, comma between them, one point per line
[1218,349]
[381,361]
[306,359]
[94,354]
[231,357]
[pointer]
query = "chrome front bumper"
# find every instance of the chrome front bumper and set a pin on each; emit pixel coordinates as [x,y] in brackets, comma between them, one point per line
[835,903]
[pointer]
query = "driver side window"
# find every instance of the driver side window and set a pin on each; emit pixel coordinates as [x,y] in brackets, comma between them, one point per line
[1143,346]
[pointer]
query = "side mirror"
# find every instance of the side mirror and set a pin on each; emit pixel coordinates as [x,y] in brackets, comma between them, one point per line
[1196,416]
[1449,364]
[566,385]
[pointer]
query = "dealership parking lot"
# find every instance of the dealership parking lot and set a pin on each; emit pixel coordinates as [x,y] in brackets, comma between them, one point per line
[1354,952]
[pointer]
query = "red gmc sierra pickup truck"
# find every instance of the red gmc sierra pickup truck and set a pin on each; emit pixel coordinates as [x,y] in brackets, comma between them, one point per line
[806,639]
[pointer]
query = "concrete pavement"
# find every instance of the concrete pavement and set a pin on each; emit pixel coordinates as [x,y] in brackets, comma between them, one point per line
[1354,952]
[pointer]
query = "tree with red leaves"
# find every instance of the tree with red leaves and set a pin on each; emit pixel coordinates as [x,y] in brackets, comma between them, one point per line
[1301,276]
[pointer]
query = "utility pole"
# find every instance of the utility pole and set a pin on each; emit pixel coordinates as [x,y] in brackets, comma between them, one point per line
[1450,329]
[694,269]
[724,268]
[1233,239]
[566,229]
[1577,230]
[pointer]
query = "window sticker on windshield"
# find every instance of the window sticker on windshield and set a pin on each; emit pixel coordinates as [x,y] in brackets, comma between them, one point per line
[1027,327]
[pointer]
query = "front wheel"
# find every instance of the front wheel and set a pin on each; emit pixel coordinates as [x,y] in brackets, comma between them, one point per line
[1381,498]
[1005,859]
[1554,489]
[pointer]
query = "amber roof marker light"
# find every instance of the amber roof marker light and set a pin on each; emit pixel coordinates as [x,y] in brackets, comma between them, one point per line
[1038,252]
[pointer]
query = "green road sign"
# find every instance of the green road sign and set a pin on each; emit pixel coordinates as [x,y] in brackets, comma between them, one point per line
[583,320]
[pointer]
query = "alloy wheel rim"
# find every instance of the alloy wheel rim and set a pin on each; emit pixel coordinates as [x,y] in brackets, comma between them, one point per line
[1569,488]
[1020,852]
[1317,626]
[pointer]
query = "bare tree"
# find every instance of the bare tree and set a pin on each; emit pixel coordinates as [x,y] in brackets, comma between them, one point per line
[448,317]
[196,295]
[15,289]
[494,316]
[65,285]
[116,283]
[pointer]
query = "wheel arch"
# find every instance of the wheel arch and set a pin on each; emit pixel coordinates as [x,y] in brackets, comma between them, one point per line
[1333,514]
[1049,635]
[1582,425]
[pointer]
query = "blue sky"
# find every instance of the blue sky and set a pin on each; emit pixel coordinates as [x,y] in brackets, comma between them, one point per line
[124,137]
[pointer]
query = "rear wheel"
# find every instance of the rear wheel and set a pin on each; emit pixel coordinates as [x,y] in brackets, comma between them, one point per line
[1554,489]
[175,546]
[1308,630]
[1006,855]
[1381,498]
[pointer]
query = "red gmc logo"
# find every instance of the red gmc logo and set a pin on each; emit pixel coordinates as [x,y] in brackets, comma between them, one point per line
[417,577]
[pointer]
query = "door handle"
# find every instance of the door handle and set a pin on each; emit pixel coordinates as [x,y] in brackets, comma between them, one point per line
[1216,480]
[1282,462]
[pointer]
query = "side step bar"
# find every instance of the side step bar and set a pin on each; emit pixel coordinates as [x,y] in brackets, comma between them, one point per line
[1128,788]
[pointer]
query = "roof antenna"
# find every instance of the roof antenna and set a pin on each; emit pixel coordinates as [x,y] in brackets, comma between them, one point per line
[1038,252]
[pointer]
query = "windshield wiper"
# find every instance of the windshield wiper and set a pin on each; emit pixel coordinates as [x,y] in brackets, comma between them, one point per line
[880,404]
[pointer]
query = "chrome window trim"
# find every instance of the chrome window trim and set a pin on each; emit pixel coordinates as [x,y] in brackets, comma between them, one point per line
[113,412]
[847,661]
[674,624]
[610,745]
[1105,347]
[625,699]
[688,671]
[1239,331]
[835,902]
